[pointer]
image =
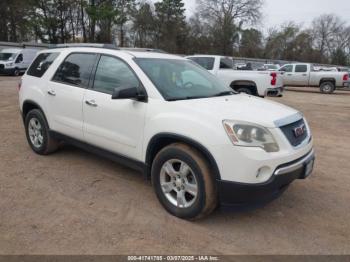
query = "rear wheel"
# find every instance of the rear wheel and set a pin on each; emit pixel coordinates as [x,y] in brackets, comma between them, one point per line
[37,133]
[327,87]
[183,183]
[245,90]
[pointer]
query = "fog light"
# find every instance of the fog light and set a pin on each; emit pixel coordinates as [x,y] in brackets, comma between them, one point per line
[264,173]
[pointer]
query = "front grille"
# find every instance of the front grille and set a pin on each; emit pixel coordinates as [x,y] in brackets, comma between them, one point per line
[289,132]
[2,67]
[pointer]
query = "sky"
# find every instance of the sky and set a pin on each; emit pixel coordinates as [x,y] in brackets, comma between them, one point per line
[276,12]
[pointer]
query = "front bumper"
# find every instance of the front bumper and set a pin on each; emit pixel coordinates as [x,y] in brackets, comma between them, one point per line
[6,71]
[274,92]
[232,194]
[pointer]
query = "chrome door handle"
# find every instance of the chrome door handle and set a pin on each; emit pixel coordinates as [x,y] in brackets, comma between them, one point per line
[51,93]
[91,103]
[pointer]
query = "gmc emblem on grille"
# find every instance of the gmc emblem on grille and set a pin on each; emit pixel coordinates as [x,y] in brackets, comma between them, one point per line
[299,131]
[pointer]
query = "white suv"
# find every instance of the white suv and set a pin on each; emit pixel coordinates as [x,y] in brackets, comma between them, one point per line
[200,143]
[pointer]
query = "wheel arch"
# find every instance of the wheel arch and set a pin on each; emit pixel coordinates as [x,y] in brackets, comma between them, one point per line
[29,105]
[235,85]
[159,141]
[323,80]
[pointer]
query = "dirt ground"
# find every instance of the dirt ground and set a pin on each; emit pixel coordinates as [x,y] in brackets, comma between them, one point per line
[73,202]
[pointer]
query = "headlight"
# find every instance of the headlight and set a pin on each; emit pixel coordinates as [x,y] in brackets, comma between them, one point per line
[250,135]
[9,65]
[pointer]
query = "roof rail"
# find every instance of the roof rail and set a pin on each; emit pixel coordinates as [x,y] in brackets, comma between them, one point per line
[137,49]
[106,46]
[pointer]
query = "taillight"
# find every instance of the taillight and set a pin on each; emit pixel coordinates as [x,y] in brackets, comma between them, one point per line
[19,85]
[346,77]
[274,78]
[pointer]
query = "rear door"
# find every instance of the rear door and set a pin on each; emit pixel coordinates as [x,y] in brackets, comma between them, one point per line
[205,62]
[65,93]
[300,76]
[115,125]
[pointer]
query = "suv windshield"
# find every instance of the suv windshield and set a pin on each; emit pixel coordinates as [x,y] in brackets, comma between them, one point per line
[7,56]
[182,79]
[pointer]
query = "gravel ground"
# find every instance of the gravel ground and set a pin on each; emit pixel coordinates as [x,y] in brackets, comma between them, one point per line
[73,202]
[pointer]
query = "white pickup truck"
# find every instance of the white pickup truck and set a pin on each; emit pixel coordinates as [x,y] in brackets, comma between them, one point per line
[305,75]
[258,83]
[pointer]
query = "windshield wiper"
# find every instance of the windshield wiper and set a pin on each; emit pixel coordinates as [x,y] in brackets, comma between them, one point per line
[186,98]
[225,93]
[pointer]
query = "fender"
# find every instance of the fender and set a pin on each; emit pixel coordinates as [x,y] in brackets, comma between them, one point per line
[161,140]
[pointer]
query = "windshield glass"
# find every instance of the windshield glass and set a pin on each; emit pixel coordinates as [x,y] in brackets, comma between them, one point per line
[7,56]
[182,79]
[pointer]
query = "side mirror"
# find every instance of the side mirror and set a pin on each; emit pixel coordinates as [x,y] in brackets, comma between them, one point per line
[129,93]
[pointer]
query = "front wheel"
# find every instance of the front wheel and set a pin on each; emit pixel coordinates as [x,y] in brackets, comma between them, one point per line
[16,72]
[183,183]
[327,87]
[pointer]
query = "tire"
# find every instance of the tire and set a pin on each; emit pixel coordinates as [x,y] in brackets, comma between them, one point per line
[193,204]
[245,90]
[37,133]
[327,87]
[16,72]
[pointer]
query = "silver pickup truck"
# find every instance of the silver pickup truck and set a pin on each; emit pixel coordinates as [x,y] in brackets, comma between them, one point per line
[305,75]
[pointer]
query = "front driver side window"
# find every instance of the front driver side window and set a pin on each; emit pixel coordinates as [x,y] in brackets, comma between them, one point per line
[287,68]
[111,74]
[19,59]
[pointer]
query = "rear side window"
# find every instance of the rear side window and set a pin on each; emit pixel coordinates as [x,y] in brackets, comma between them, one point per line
[41,64]
[76,70]
[226,63]
[206,62]
[301,68]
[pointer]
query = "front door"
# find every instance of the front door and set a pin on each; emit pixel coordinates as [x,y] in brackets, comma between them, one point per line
[288,72]
[115,125]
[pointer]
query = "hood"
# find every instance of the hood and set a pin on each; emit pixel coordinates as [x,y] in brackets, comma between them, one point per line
[244,108]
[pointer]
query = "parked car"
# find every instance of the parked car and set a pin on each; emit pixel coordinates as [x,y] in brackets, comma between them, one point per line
[16,61]
[256,83]
[304,75]
[199,142]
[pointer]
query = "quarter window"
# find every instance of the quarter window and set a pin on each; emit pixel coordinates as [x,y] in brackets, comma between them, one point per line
[301,68]
[76,70]
[111,74]
[41,64]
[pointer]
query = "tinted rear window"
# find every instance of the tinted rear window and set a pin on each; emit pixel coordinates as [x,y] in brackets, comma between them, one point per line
[206,62]
[301,68]
[41,64]
[76,70]
[226,63]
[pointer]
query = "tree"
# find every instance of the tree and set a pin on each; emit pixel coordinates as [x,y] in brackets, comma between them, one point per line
[251,44]
[143,25]
[170,25]
[226,18]
[325,30]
